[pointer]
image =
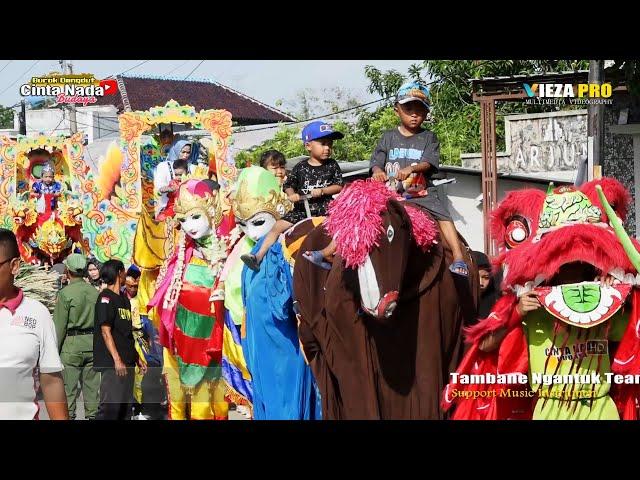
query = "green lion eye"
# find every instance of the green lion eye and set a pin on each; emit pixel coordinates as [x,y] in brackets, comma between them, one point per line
[181,219]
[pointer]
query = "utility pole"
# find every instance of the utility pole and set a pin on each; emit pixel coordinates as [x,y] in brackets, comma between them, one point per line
[595,120]
[22,116]
[67,68]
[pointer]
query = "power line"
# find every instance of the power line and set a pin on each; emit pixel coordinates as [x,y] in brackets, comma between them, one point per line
[201,62]
[81,123]
[59,123]
[286,123]
[317,117]
[101,128]
[327,114]
[129,69]
[138,65]
[280,124]
[174,69]
[21,76]
[11,107]
[6,65]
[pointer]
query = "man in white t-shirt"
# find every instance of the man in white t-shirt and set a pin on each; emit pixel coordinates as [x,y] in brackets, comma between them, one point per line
[28,347]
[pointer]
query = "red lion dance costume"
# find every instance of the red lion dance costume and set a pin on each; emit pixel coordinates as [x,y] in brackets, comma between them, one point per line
[578,355]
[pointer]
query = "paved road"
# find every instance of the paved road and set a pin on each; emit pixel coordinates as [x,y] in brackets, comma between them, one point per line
[233,415]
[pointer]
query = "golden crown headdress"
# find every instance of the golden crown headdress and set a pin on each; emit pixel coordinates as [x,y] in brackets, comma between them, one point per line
[187,201]
[246,204]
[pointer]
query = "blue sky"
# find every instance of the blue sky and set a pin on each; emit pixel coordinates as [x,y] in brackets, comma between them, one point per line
[265,80]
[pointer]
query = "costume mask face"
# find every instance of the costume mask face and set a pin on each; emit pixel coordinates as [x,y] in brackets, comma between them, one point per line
[257,226]
[195,224]
[258,202]
[195,209]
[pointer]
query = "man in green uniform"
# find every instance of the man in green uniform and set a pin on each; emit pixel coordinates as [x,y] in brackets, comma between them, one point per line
[73,317]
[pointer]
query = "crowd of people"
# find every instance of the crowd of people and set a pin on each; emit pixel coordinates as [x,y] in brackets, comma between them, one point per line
[98,344]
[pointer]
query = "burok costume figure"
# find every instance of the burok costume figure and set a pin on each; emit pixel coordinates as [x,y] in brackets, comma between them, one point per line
[549,349]
[190,327]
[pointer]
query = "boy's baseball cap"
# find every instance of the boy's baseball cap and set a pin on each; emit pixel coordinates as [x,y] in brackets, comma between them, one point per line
[319,129]
[411,92]
[76,263]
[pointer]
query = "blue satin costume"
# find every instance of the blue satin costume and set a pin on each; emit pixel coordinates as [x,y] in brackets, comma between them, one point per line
[283,385]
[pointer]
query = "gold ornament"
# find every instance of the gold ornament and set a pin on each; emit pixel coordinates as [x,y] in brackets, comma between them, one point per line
[246,205]
[210,205]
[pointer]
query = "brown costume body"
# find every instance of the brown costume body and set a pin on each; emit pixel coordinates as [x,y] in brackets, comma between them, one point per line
[390,368]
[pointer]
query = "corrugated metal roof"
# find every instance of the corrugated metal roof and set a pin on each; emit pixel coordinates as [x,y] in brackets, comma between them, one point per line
[531,75]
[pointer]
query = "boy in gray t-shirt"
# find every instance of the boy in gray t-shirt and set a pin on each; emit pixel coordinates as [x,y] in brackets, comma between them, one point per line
[405,158]
[397,153]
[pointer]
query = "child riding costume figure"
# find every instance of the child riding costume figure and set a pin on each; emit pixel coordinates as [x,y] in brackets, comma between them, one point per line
[557,359]
[190,326]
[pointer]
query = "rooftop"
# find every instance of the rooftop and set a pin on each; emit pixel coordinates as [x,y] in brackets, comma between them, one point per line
[145,92]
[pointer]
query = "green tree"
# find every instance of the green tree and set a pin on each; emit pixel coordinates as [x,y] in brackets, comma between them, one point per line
[360,138]
[6,117]
[630,73]
[311,103]
[455,117]
[286,140]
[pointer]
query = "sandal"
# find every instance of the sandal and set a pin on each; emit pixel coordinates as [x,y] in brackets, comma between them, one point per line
[459,267]
[316,258]
[251,261]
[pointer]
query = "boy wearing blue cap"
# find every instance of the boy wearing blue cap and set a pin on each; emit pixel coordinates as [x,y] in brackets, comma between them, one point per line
[319,176]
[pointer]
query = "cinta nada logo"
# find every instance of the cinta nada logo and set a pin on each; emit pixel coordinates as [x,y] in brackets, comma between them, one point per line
[582,93]
[81,88]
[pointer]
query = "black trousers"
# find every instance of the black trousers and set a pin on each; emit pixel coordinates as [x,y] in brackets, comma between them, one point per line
[154,393]
[116,395]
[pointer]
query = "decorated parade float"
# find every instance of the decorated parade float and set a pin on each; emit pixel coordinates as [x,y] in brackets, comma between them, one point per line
[47,220]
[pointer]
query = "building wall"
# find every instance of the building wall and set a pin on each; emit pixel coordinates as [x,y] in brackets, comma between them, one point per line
[466,209]
[95,122]
[617,159]
[540,142]
[463,198]
[48,121]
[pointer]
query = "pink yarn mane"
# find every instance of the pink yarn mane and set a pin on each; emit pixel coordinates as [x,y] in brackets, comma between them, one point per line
[355,221]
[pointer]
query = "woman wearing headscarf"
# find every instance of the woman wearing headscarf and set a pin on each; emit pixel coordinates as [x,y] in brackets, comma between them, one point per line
[93,272]
[181,150]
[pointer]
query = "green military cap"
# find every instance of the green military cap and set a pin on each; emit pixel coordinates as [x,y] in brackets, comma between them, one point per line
[76,263]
